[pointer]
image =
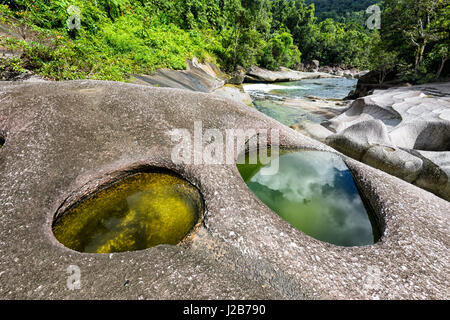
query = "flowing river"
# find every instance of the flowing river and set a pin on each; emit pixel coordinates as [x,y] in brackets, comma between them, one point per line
[290,102]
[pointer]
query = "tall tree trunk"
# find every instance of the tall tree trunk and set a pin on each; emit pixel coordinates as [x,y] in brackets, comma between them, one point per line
[421,43]
[419,55]
[236,43]
[444,60]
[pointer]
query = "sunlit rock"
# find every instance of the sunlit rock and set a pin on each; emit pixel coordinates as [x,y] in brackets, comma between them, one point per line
[412,120]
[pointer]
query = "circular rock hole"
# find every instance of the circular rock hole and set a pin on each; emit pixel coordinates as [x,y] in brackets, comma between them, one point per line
[315,192]
[139,212]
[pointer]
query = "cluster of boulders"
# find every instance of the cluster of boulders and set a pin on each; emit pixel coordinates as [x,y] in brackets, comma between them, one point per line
[313,70]
[313,66]
[404,131]
[207,77]
[337,70]
[256,74]
[341,71]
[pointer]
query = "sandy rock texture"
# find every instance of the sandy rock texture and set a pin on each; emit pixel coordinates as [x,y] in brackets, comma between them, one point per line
[64,140]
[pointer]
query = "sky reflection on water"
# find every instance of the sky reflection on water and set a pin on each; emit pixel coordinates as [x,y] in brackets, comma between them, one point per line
[315,192]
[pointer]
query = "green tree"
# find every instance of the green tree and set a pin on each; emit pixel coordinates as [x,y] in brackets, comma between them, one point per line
[411,24]
[246,31]
[441,50]
[280,51]
[299,19]
[381,60]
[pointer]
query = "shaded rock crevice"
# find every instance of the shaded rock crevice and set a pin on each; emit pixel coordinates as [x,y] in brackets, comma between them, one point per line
[2,138]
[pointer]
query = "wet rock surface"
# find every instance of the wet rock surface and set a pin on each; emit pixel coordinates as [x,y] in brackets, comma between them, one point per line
[403,131]
[65,139]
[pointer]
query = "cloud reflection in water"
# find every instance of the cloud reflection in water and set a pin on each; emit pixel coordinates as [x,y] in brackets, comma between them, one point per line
[316,193]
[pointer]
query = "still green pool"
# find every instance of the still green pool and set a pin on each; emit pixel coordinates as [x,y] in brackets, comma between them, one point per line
[142,211]
[315,192]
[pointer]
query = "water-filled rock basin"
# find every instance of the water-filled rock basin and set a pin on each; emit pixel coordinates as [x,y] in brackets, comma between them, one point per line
[315,192]
[139,212]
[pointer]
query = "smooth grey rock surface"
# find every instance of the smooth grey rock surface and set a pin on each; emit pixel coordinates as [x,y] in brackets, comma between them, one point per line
[64,140]
[235,93]
[412,121]
[312,129]
[354,140]
[199,77]
[181,79]
[394,161]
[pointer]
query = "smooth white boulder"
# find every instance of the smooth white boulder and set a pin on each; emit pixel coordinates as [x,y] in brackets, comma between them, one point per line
[413,121]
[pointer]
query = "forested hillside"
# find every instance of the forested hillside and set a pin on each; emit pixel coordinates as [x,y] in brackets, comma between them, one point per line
[337,9]
[117,38]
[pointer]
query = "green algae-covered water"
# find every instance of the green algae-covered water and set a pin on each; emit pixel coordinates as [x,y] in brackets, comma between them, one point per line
[315,192]
[142,211]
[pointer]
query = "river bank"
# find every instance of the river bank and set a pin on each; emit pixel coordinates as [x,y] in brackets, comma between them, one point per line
[243,85]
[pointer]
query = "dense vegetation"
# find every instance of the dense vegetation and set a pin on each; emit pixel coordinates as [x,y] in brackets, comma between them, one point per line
[121,37]
[340,10]
[415,39]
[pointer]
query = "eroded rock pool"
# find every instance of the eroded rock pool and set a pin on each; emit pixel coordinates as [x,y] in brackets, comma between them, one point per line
[139,212]
[315,192]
